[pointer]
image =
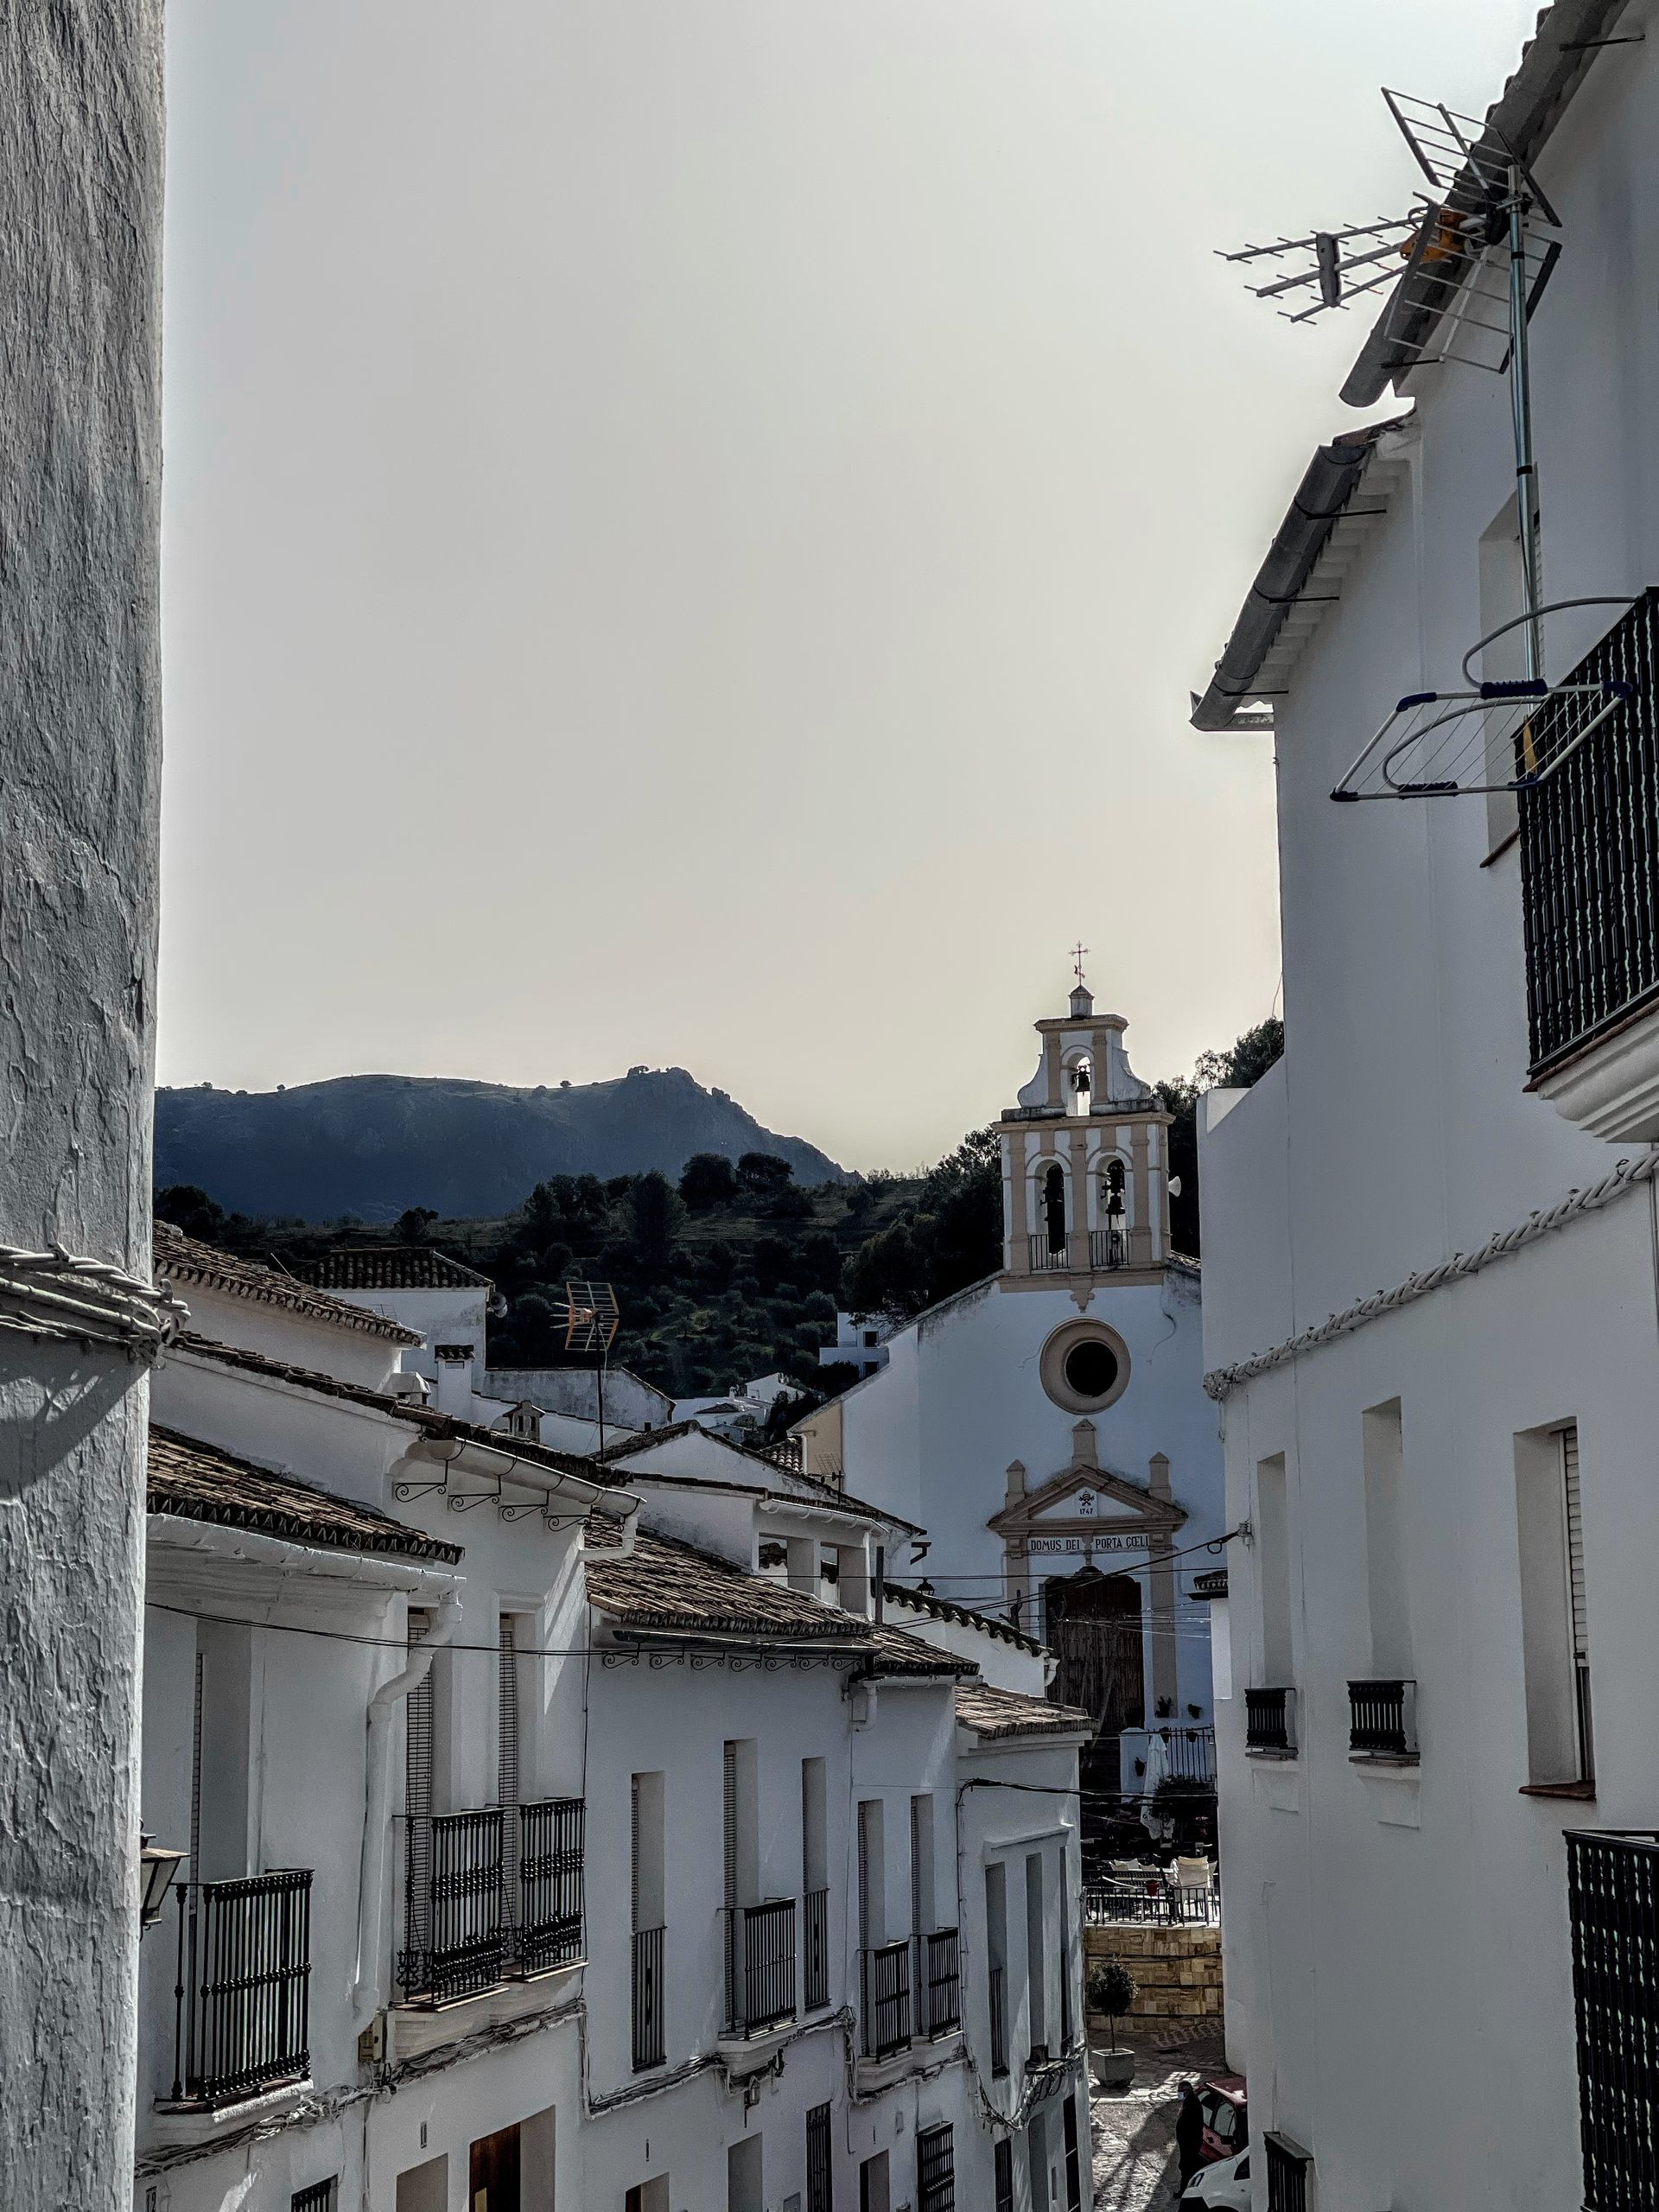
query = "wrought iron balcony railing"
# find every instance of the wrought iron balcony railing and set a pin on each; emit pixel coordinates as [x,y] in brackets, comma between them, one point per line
[469,1920]
[1612,1880]
[1382,1720]
[650,2045]
[1047,1259]
[998,2001]
[242,2005]
[1589,849]
[1270,1720]
[1288,2167]
[1108,1248]
[815,1933]
[942,1982]
[887,1998]
[761,1967]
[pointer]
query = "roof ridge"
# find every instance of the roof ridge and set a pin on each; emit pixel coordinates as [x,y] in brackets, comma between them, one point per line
[175,1255]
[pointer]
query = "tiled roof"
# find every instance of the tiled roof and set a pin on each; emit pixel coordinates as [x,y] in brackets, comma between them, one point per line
[198,1482]
[664,1584]
[942,1609]
[896,1653]
[642,1440]
[998,1714]
[442,1425]
[182,1259]
[812,1491]
[1211,1584]
[391,1267]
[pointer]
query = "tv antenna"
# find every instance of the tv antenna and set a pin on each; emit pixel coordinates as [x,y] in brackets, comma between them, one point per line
[1479,242]
[592,1318]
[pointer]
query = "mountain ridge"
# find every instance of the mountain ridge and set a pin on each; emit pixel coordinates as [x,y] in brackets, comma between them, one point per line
[371,1145]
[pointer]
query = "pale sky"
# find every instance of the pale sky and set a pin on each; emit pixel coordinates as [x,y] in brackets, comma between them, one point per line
[691,528]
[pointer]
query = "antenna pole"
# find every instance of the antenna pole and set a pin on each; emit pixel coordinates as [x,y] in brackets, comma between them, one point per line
[1526,471]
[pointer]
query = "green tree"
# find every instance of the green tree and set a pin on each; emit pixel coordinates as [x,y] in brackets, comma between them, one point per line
[656,1211]
[763,1172]
[708,1179]
[188,1207]
[950,1237]
[1245,1064]
[414,1225]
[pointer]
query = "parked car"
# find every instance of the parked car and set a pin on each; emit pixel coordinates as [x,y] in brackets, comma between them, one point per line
[1226,2116]
[1223,2186]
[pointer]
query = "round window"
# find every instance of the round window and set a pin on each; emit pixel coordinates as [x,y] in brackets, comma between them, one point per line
[1090,1368]
[1085,1366]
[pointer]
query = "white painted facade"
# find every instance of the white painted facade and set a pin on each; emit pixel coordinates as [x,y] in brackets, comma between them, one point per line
[861,1342]
[1397,1934]
[971,1429]
[278,1724]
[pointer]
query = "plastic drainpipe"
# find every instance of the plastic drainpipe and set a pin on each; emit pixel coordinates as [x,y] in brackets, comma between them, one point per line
[371,1876]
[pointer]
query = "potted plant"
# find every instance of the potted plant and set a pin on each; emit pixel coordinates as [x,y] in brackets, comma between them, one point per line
[1111,1990]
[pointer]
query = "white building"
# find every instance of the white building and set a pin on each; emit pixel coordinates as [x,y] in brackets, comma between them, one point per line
[861,1342]
[568,1834]
[1048,1425]
[1430,1249]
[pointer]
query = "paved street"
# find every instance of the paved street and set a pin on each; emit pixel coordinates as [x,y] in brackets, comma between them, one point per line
[1133,2135]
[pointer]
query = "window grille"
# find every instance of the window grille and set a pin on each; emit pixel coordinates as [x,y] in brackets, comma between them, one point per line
[412,1967]
[1288,2167]
[1073,2155]
[321,2196]
[936,2170]
[1003,2166]
[1577,1609]
[1613,1906]
[820,2186]
[506,1793]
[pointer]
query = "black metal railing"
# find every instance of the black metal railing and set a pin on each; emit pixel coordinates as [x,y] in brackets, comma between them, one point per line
[942,1984]
[999,1997]
[650,2046]
[1270,1720]
[1189,1753]
[242,2005]
[1590,846]
[455,1925]
[1045,1258]
[1151,1901]
[1288,2171]
[1108,1248]
[550,1873]
[820,2186]
[1612,1881]
[762,1978]
[887,1999]
[1382,1720]
[814,1942]
[935,2170]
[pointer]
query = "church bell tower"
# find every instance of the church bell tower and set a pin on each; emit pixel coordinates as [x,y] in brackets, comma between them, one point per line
[1085,1160]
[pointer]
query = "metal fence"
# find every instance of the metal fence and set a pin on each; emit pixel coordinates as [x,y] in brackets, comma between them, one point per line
[763,1965]
[1152,1901]
[887,1999]
[650,2047]
[1108,1247]
[242,2004]
[1047,1259]
[942,1983]
[1590,848]
[1382,1719]
[1613,1904]
[815,1934]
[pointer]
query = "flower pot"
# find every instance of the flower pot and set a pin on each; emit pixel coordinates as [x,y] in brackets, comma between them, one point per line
[1113,2070]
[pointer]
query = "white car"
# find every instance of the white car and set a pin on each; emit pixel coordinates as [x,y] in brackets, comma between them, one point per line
[1223,2187]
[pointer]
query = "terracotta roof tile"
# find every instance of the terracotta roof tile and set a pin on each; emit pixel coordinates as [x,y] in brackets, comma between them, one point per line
[895,1652]
[182,1259]
[199,1482]
[942,1609]
[665,1584]
[389,1266]
[998,1714]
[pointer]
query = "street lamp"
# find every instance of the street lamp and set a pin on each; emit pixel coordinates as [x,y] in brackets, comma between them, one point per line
[157,1865]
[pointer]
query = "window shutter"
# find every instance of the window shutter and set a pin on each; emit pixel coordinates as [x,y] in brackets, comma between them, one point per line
[507,1792]
[1575,1543]
[634,1852]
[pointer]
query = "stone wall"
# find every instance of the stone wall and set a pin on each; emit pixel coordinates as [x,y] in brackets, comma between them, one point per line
[1177,1970]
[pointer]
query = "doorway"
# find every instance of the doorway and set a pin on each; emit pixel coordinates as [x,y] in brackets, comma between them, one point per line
[492,2177]
[1094,1628]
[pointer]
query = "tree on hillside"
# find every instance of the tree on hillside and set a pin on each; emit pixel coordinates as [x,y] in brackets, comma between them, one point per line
[763,1172]
[708,1179]
[656,1211]
[950,1237]
[191,1210]
[413,1225]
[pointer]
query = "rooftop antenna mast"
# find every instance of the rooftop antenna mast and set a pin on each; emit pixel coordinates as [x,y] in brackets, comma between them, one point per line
[1480,243]
[592,1318]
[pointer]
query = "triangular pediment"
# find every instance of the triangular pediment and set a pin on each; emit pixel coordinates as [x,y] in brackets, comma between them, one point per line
[1082,1497]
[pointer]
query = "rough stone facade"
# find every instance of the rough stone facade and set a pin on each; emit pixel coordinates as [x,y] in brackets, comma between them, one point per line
[80,184]
[1177,1970]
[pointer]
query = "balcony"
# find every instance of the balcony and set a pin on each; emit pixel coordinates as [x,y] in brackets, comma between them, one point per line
[940,1981]
[760,1971]
[1047,1259]
[815,1930]
[1270,1723]
[1383,1722]
[887,1998]
[649,2044]
[1590,892]
[468,1924]
[242,2015]
[1108,1248]
[1288,2168]
[1613,1907]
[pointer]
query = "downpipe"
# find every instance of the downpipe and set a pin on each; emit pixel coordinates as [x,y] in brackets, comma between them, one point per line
[372,1875]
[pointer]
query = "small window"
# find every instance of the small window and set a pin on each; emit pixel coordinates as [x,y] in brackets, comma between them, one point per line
[1085,1367]
[321,2196]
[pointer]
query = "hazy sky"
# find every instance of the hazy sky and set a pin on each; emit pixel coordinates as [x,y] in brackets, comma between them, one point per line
[690,527]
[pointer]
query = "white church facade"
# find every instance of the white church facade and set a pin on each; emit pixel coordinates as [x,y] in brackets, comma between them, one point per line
[1048,1425]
